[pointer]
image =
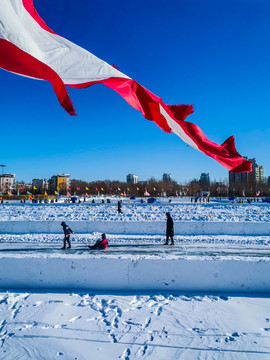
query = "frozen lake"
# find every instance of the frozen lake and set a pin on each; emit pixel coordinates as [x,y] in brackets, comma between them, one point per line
[132,306]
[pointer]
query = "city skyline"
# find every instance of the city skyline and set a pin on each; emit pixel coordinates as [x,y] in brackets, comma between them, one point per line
[222,70]
[238,184]
[134,178]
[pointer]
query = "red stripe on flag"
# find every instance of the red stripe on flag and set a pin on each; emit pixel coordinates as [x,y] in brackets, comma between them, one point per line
[148,104]
[29,7]
[141,99]
[16,60]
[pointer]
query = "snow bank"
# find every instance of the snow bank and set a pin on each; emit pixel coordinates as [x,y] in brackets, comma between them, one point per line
[136,212]
[132,273]
[136,227]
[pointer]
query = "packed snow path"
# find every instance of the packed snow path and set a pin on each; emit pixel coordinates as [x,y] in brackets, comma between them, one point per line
[160,326]
[137,266]
[119,247]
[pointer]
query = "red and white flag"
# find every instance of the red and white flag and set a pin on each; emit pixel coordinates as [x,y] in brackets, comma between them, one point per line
[29,47]
[68,194]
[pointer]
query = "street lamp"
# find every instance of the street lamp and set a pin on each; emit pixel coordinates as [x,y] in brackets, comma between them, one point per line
[3,166]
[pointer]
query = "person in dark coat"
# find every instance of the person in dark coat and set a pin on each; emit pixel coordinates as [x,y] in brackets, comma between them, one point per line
[100,244]
[119,208]
[67,231]
[169,229]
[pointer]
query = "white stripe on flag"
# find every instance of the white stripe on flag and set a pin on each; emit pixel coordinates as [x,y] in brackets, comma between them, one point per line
[176,128]
[72,63]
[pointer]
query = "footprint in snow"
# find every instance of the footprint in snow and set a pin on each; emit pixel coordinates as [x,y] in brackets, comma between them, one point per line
[158,311]
[125,355]
[142,350]
[198,331]
[147,323]
[236,334]
[229,338]
[112,337]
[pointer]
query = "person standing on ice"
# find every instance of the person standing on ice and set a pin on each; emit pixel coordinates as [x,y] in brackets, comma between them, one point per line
[67,231]
[119,208]
[100,244]
[169,229]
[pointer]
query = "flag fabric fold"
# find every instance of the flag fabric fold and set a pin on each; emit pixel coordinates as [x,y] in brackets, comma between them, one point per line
[29,47]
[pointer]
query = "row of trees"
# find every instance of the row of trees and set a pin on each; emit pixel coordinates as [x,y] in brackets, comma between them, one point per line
[154,188]
[219,189]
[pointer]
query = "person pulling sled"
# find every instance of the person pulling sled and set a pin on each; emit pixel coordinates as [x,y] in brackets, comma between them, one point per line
[67,231]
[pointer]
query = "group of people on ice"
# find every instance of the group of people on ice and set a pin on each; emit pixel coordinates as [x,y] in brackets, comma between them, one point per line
[103,243]
[100,244]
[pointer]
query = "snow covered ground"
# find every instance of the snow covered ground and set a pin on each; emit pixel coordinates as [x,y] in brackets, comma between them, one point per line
[200,219]
[134,211]
[84,326]
[156,323]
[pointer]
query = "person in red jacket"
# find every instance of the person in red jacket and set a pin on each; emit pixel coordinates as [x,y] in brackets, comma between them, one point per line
[100,244]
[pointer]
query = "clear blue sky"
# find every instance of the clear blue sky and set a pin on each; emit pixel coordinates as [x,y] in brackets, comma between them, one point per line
[212,54]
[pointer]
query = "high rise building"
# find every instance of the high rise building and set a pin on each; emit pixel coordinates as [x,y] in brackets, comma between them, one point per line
[167,177]
[7,183]
[250,180]
[60,182]
[204,180]
[132,179]
[258,174]
[40,184]
[238,178]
